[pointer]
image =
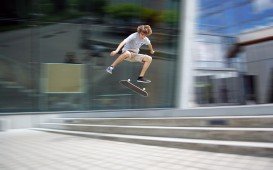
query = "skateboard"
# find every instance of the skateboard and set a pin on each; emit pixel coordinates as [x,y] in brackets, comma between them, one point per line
[134,88]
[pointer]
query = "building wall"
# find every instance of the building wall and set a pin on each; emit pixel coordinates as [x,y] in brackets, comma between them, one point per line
[260,63]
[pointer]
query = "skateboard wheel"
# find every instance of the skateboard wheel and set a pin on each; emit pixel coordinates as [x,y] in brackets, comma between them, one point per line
[144,89]
[129,80]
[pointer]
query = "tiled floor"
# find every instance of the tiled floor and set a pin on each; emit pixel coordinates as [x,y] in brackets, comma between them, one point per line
[29,149]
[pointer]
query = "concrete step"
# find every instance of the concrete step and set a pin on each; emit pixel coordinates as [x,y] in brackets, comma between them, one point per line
[234,147]
[208,133]
[216,121]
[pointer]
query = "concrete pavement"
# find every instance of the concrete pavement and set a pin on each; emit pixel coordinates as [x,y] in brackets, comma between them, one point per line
[28,149]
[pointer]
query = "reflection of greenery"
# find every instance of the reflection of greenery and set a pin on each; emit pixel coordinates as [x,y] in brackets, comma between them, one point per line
[170,17]
[25,11]
[60,16]
[150,15]
[8,27]
[56,10]
[94,6]
[48,7]
[124,11]
[133,11]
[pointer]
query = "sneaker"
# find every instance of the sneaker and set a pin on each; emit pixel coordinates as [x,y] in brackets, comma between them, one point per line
[143,80]
[110,69]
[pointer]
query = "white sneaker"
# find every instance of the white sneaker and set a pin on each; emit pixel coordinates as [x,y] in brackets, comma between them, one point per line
[110,69]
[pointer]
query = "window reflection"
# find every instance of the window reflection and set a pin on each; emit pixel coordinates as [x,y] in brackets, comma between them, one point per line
[225,73]
[82,32]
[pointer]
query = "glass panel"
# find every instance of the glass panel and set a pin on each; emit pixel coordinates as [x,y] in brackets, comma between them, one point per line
[225,71]
[17,49]
[83,33]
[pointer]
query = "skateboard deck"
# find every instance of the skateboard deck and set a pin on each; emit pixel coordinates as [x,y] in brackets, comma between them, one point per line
[133,87]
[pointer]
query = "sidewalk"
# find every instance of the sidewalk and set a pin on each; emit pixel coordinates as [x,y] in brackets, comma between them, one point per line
[29,149]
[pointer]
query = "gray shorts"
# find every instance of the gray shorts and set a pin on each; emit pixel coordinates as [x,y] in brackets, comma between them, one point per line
[134,57]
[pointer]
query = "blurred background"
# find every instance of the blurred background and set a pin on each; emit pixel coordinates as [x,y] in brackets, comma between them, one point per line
[53,53]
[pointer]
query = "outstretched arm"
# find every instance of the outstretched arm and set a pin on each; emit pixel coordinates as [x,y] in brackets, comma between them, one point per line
[118,48]
[151,49]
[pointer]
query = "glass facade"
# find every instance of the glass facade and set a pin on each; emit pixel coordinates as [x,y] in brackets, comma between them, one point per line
[223,80]
[53,54]
[36,35]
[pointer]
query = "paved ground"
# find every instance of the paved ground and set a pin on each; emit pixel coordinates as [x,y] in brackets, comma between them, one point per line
[29,149]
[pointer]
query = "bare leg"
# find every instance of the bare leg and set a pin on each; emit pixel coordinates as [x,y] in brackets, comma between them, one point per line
[121,58]
[147,61]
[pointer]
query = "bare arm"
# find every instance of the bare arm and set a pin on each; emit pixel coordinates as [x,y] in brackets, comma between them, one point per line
[151,49]
[118,48]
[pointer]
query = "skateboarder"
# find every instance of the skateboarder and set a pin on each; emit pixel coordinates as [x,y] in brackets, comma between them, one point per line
[130,51]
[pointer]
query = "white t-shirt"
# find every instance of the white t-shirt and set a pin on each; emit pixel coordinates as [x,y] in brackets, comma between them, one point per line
[133,42]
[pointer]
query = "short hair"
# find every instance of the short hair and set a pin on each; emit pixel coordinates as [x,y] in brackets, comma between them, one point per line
[146,29]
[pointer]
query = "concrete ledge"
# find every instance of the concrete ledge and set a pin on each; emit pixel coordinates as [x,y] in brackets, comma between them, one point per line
[246,110]
[242,110]
[3,124]
[20,120]
[201,121]
[209,133]
[23,121]
[234,147]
